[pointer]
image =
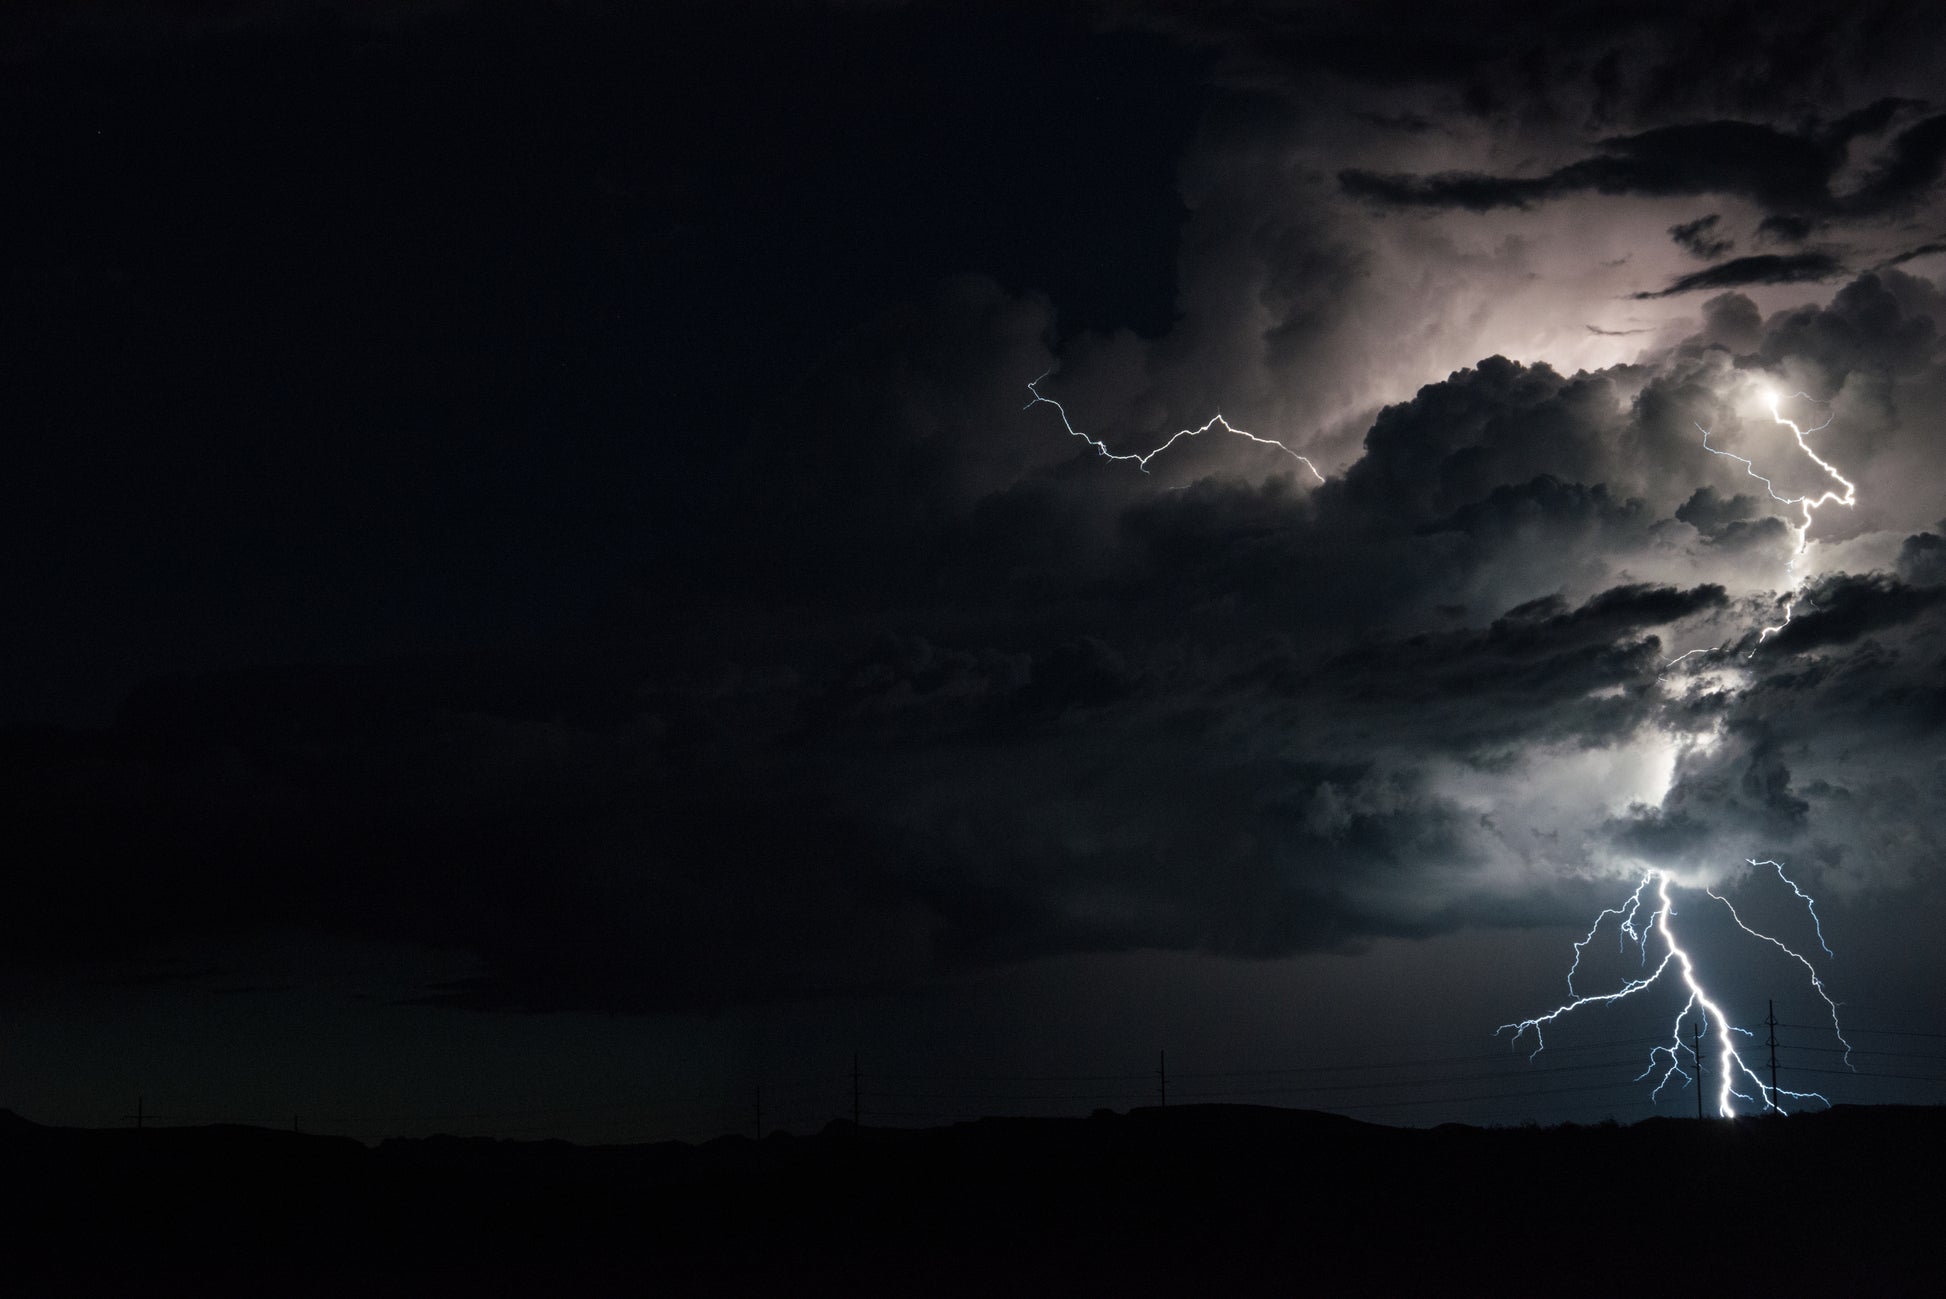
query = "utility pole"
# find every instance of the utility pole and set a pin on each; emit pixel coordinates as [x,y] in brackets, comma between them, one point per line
[1771,1042]
[1162,1075]
[1696,1049]
[854,1089]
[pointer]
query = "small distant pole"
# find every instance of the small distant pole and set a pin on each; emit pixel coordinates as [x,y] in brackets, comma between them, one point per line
[1162,1076]
[854,1090]
[1771,1024]
[1696,1047]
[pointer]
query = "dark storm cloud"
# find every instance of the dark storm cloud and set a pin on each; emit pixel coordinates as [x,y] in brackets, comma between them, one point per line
[1791,172]
[1913,254]
[1829,754]
[1922,559]
[1475,193]
[1732,321]
[905,680]
[1710,512]
[1867,326]
[1749,798]
[1230,715]
[1524,508]
[652,817]
[753,835]
[1785,229]
[1538,673]
[1759,268]
[1776,168]
[1701,237]
[1410,123]
[1829,750]
[1909,168]
[1136,730]
[1732,523]
[1843,609]
[1601,61]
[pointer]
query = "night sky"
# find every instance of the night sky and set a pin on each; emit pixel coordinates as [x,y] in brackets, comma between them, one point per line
[537,601]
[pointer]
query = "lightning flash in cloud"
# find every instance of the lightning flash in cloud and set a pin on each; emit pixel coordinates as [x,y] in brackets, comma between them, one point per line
[1647,916]
[1142,459]
[1713,1025]
[1806,504]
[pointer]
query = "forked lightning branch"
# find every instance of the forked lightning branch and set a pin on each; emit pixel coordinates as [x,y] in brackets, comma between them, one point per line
[1807,504]
[1640,922]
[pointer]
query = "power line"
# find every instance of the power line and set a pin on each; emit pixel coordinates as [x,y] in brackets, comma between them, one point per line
[1342,1086]
[1894,1055]
[1489,1096]
[1870,1032]
[1311,1089]
[1407,1064]
[1861,1073]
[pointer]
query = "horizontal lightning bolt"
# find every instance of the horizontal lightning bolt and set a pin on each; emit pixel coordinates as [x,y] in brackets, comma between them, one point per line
[1142,459]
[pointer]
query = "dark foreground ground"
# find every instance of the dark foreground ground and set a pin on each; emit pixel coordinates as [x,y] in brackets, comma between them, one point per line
[1191,1201]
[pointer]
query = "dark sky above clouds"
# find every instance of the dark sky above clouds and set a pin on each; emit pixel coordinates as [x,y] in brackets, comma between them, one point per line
[537,583]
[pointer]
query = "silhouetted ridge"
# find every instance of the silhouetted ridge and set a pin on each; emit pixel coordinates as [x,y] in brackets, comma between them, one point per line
[1216,1199]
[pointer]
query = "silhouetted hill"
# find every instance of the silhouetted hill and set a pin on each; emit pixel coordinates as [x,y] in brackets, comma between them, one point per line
[1193,1200]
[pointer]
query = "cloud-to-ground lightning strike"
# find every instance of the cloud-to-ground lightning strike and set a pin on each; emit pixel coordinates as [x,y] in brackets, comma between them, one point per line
[1142,459]
[1667,1058]
[1807,504]
[1731,1069]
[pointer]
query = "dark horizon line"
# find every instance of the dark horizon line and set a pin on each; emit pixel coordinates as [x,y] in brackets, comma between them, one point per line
[14,1125]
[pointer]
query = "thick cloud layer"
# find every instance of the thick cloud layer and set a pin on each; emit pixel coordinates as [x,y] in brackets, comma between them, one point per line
[1787,173]
[908,681]
[1051,704]
[1759,268]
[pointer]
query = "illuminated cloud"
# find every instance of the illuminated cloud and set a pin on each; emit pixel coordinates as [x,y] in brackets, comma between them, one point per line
[1759,268]
[892,679]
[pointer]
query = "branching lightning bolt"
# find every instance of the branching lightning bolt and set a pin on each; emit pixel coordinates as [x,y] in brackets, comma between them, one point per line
[1731,1068]
[1808,505]
[1816,923]
[1142,459]
[1836,1029]
[1624,931]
